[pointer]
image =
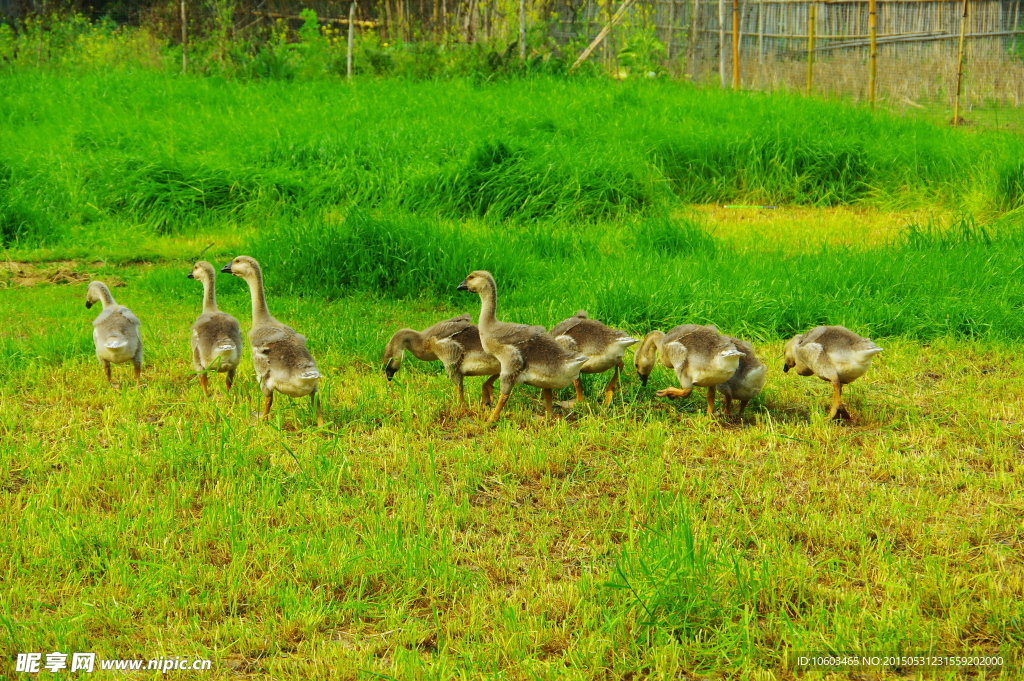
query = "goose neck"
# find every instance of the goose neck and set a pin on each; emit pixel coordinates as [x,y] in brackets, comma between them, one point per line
[488,305]
[260,313]
[209,296]
[106,299]
[406,339]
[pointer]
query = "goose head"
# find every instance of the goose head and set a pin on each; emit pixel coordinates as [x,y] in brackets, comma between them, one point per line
[242,266]
[790,352]
[97,293]
[202,271]
[477,282]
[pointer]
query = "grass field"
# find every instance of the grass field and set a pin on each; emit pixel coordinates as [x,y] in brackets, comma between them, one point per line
[404,539]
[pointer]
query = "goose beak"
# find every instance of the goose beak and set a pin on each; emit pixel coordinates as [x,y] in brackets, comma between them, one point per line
[643,380]
[88,304]
[226,269]
[463,286]
[786,368]
[191,276]
[389,371]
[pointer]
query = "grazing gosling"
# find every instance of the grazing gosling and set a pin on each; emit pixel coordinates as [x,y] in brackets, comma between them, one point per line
[115,331]
[603,345]
[279,354]
[748,380]
[456,342]
[527,354]
[699,356]
[834,354]
[216,335]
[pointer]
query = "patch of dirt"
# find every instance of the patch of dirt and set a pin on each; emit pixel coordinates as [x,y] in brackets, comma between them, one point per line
[14,273]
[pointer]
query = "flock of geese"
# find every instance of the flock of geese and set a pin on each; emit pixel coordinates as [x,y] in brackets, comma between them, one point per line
[508,353]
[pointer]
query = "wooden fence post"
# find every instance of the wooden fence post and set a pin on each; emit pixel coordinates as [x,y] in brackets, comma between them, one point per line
[694,27]
[721,42]
[873,53]
[760,42]
[351,31]
[960,66]
[184,38]
[811,20]
[735,44]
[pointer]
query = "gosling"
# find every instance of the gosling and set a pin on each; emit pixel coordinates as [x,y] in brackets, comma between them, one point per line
[216,335]
[528,354]
[748,380]
[456,342]
[834,354]
[603,346]
[699,356]
[279,354]
[115,331]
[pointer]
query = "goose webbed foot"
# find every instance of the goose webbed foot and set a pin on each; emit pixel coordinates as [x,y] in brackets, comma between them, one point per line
[673,393]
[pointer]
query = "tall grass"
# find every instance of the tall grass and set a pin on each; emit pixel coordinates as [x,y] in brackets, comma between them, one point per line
[657,272]
[116,152]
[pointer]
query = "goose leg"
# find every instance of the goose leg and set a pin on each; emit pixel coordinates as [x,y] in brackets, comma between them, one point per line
[268,401]
[726,405]
[460,392]
[609,390]
[315,399]
[106,369]
[711,401]
[497,409]
[569,404]
[838,411]
[743,405]
[487,392]
[138,372]
[204,383]
[549,400]
[230,380]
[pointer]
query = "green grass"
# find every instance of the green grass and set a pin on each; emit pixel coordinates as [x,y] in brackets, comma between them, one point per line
[404,539]
[157,153]
[954,281]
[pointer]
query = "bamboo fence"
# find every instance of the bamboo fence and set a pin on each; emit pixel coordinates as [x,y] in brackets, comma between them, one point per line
[821,47]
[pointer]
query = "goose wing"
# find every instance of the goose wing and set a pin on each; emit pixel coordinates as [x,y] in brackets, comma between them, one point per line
[515,334]
[566,325]
[676,353]
[450,353]
[449,327]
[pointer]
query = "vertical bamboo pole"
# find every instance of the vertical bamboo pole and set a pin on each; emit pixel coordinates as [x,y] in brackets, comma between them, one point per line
[184,38]
[735,44]
[694,27]
[812,16]
[760,42]
[873,53]
[721,42]
[351,35]
[522,30]
[670,34]
[960,66]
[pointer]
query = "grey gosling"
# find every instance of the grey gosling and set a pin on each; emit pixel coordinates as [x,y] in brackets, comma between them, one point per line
[748,380]
[216,335]
[603,346]
[279,354]
[834,354]
[528,354]
[115,331]
[456,342]
[699,356]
